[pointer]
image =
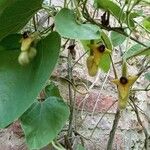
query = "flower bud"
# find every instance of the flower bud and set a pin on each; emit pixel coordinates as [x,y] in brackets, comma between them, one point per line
[23,58]
[32,53]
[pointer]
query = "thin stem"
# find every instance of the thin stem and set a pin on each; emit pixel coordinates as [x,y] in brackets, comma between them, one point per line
[114,70]
[34,23]
[113,130]
[79,59]
[71,100]
[65,3]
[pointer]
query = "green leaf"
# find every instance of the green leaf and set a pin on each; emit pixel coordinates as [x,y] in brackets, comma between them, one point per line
[136,50]
[117,38]
[147,76]
[19,86]
[14,17]
[52,90]
[43,121]
[146,23]
[11,42]
[146,1]
[67,26]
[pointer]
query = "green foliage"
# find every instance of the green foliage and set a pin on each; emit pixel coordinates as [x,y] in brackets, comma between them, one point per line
[19,85]
[68,27]
[110,6]
[136,50]
[115,10]
[11,42]
[52,90]
[4,4]
[43,121]
[146,23]
[105,62]
[116,38]
[15,16]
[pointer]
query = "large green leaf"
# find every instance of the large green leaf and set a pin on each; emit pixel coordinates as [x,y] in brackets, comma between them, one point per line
[117,38]
[16,15]
[19,86]
[43,121]
[67,26]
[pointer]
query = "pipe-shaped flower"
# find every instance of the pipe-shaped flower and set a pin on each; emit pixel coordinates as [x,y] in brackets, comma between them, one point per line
[28,40]
[28,50]
[98,51]
[124,85]
[91,65]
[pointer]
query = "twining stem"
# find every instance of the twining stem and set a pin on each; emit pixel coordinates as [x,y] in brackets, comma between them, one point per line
[71,99]
[113,130]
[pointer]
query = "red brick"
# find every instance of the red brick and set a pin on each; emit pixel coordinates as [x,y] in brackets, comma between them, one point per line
[104,102]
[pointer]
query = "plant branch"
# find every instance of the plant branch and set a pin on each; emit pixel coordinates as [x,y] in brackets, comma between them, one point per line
[113,130]
[71,100]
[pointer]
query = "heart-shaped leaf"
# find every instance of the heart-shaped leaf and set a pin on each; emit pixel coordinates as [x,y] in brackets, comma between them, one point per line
[67,26]
[16,15]
[19,86]
[43,121]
